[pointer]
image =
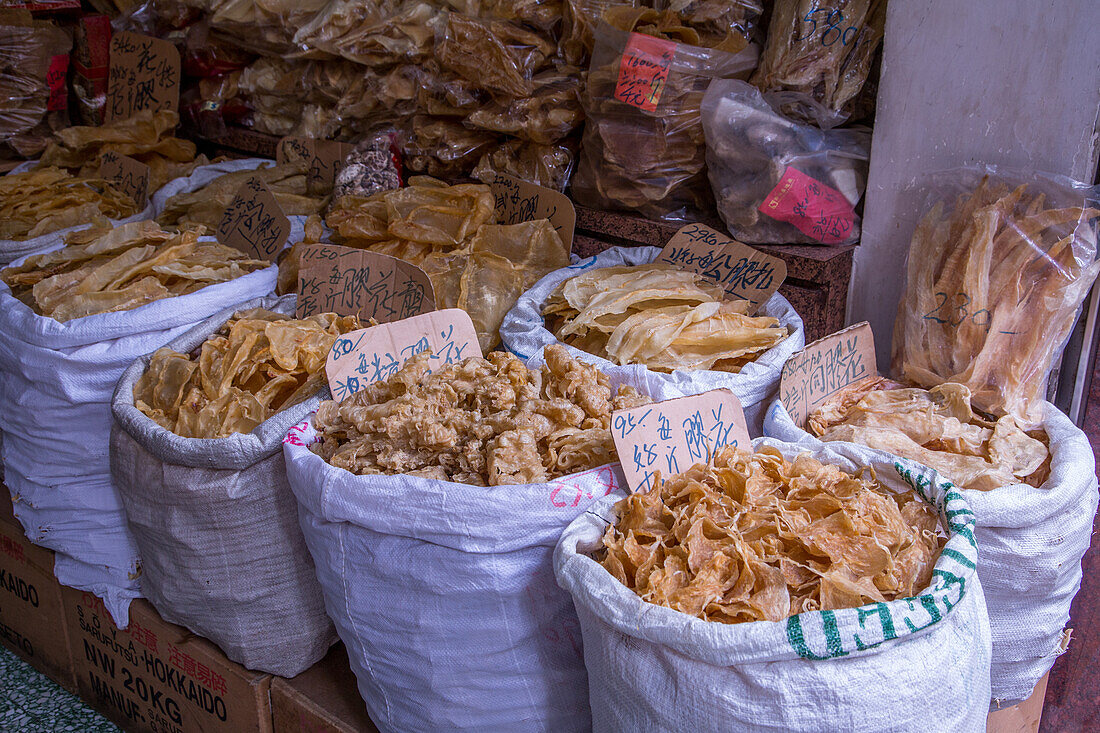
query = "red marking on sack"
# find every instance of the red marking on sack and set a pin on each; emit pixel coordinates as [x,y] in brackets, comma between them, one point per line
[300,435]
[815,209]
[583,486]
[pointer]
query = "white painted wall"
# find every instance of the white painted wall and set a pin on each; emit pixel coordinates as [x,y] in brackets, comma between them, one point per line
[1010,82]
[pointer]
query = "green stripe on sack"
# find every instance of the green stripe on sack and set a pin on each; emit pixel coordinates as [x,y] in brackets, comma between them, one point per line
[958,557]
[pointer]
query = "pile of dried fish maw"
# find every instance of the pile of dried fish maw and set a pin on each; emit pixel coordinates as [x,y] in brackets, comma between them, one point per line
[652,162]
[993,284]
[46,200]
[937,428]
[259,362]
[755,537]
[825,53]
[449,232]
[103,270]
[485,422]
[146,137]
[660,316]
[207,205]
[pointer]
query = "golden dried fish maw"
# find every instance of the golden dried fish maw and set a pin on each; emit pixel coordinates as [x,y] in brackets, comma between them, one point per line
[47,199]
[162,386]
[485,422]
[443,147]
[546,165]
[993,285]
[937,428]
[755,537]
[438,215]
[144,291]
[500,57]
[824,53]
[532,246]
[552,111]
[373,33]
[579,20]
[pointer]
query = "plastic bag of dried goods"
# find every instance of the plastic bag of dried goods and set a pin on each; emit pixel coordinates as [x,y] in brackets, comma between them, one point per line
[822,53]
[34,61]
[776,180]
[216,525]
[55,391]
[642,148]
[998,267]
[1031,540]
[886,666]
[546,165]
[444,594]
[525,334]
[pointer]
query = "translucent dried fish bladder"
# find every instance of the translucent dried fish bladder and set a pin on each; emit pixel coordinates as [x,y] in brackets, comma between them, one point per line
[660,316]
[258,363]
[490,421]
[752,536]
[450,233]
[995,276]
[937,428]
[105,269]
[48,199]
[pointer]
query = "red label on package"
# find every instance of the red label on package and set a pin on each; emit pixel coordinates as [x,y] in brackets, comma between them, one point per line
[55,77]
[817,210]
[643,71]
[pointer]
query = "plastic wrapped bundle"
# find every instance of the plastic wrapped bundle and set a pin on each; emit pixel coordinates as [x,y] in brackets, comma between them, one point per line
[34,57]
[443,147]
[753,153]
[499,56]
[373,33]
[647,155]
[546,165]
[264,26]
[551,112]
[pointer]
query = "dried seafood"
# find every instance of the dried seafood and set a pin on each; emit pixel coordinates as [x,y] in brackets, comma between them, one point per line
[937,428]
[993,285]
[45,200]
[486,422]
[207,205]
[103,270]
[448,232]
[258,363]
[755,537]
[660,316]
[546,165]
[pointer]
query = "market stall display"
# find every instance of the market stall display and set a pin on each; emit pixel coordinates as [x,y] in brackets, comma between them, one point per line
[762,633]
[228,561]
[47,200]
[474,632]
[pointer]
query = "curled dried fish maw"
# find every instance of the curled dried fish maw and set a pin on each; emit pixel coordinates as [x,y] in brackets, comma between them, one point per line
[164,383]
[436,215]
[48,199]
[755,537]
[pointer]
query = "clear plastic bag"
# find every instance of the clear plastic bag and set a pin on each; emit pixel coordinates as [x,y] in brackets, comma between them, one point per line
[443,147]
[823,50]
[34,58]
[550,113]
[498,56]
[751,153]
[998,266]
[373,32]
[546,165]
[650,160]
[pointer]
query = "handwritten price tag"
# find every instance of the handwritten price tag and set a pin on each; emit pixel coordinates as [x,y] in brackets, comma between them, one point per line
[816,210]
[643,71]
[325,158]
[827,365]
[674,435]
[128,176]
[354,282]
[254,223]
[371,354]
[144,74]
[519,201]
[744,272]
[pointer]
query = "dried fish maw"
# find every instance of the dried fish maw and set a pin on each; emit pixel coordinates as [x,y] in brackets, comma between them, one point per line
[164,383]
[144,291]
[436,215]
[501,57]
[754,537]
[47,199]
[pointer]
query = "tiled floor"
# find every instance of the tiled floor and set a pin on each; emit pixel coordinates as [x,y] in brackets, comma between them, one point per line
[30,702]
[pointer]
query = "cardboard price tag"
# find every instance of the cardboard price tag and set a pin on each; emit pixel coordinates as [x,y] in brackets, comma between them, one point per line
[371,354]
[827,365]
[816,210]
[744,272]
[325,158]
[643,71]
[129,176]
[519,201]
[355,282]
[144,74]
[254,223]
[674,435]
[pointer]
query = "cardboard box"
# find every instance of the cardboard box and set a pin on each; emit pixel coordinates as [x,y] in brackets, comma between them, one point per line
[32,620]
[1023,717]
[156,677]
[323,699]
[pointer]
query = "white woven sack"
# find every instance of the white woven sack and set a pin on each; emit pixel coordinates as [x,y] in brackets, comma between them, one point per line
[524,333]
[1031,541]
[913,665]
[216,526]
[207,173]
[56,382]
[444,593]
